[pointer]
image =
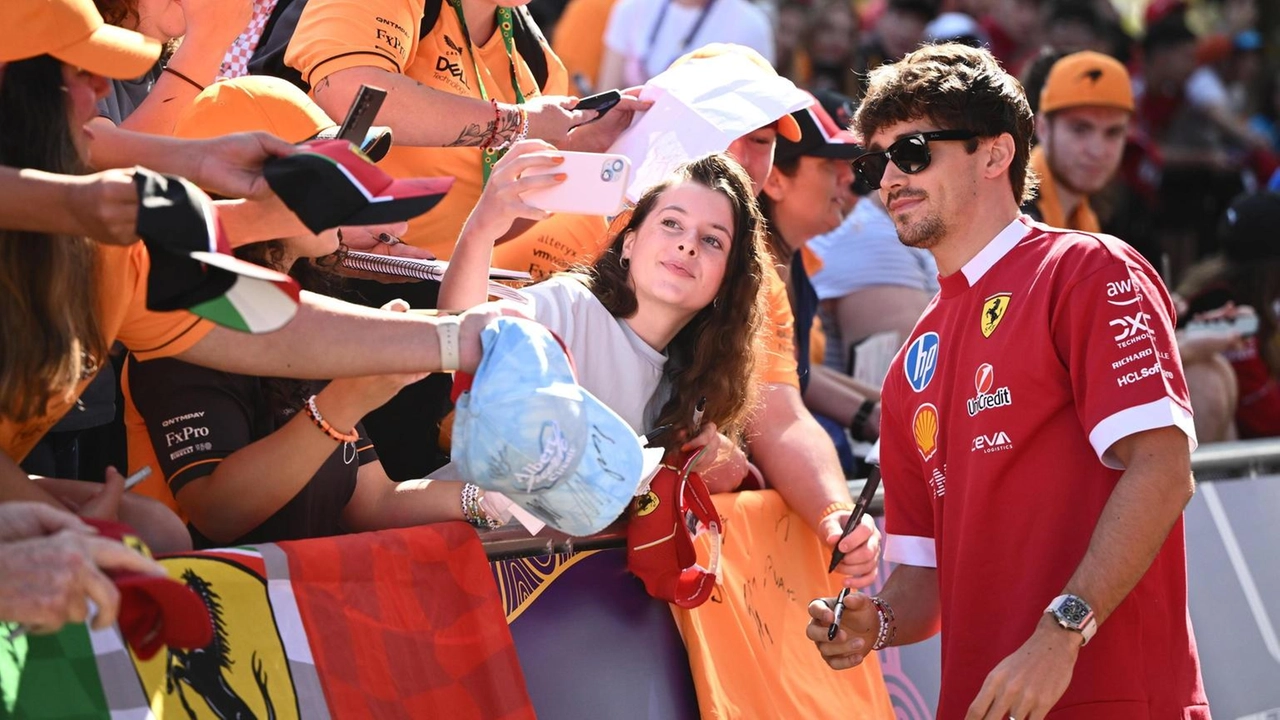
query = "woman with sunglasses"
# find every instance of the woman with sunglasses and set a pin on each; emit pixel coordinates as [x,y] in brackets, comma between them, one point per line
[1036,425]
[666,318]
[806,196]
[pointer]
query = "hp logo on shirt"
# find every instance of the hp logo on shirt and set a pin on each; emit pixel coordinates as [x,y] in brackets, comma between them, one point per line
[921,360]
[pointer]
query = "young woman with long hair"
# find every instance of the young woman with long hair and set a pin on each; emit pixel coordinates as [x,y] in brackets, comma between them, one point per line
[57,329]
[666,316]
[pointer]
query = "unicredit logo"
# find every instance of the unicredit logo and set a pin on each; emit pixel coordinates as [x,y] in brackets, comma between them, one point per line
[983,381]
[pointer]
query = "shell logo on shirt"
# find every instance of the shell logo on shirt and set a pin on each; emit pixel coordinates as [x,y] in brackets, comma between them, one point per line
[993,310]
[924,426]
[921,361]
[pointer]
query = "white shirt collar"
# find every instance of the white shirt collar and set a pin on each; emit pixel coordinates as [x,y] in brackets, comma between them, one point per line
[999,246]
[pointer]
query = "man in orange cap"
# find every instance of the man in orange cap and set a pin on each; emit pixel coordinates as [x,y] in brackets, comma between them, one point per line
[1085,109]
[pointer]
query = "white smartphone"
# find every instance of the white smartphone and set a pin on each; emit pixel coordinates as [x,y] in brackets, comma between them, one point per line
[595,184]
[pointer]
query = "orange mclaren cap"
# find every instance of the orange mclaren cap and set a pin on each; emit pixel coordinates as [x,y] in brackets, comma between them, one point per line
[1087,79]
[262,102]
[787,125]
[73,32]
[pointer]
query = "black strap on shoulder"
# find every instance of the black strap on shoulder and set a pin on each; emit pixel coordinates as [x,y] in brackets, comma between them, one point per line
[268,57]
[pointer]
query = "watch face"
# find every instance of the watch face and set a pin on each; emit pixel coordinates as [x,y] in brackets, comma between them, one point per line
[1074,611]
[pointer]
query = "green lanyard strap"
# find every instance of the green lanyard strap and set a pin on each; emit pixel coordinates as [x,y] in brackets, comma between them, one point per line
[490,156]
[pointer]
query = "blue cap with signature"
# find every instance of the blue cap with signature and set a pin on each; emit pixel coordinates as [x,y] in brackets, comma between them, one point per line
[526,429]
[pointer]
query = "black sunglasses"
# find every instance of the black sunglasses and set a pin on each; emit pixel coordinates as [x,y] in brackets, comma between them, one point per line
[910,154]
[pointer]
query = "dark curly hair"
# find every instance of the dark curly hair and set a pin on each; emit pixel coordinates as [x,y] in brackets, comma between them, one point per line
[714,355]
[285,395]
[959,88]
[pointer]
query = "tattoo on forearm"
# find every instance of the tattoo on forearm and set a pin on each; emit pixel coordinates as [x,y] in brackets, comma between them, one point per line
[322,85]
[474,135]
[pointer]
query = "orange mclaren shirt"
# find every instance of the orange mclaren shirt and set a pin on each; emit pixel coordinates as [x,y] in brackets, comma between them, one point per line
[122,307]
[777,363]
[339,34]
[579,37]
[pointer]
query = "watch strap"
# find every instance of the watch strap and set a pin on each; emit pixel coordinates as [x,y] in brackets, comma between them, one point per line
[447,329]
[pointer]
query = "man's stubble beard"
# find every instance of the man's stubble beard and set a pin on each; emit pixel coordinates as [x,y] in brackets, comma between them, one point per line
[924,234]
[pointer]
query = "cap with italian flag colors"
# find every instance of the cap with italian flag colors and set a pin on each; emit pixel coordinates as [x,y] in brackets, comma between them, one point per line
[329,183]
[191,263]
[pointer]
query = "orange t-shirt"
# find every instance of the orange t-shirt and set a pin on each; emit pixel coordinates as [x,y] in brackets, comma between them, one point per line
[339,34]
[579,37]
[122,308]
[777,364]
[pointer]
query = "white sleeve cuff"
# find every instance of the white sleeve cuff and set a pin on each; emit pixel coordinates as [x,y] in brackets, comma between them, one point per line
[1160,413]
[910,550]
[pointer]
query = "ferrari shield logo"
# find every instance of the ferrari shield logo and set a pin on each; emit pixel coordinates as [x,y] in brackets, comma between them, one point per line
[993,312]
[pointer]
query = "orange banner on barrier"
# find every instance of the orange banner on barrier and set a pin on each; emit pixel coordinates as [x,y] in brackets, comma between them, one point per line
[747,647]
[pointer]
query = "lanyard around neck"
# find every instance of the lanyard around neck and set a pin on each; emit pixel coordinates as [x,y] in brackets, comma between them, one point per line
[490,156]
[688,38]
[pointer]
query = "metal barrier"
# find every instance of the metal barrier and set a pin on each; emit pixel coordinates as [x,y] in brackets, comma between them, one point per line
[1217,461]
[514,541]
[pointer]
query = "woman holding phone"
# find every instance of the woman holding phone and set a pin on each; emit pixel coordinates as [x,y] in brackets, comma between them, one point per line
[666,316]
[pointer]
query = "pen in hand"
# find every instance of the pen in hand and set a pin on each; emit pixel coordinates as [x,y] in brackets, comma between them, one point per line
[859,508]
[839,611]
[698,410]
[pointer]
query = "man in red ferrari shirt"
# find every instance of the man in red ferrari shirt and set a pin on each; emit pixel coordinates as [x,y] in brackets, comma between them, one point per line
[1036,431]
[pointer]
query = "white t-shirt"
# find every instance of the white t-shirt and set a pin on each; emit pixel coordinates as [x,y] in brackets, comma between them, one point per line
[633,22]
[612,362]
[864,251]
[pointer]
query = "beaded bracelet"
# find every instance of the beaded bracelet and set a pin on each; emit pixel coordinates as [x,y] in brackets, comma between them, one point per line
[524,125]
[313,412]
[473,512]
[493,132]
[523,116]
[888,626]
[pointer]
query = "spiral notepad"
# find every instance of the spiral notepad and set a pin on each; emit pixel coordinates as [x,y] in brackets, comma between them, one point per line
[421,269]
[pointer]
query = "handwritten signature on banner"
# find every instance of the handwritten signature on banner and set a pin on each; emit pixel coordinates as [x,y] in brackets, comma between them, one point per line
[747,647]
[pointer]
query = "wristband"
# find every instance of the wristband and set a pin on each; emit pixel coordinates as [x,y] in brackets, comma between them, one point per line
[834,508]
[858,425]
[447,330]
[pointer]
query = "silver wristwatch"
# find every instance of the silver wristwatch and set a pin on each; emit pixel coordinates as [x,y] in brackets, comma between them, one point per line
[1073,613]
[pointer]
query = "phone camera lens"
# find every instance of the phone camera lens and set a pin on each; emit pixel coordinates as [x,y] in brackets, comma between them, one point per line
[617,166]
[607,175]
